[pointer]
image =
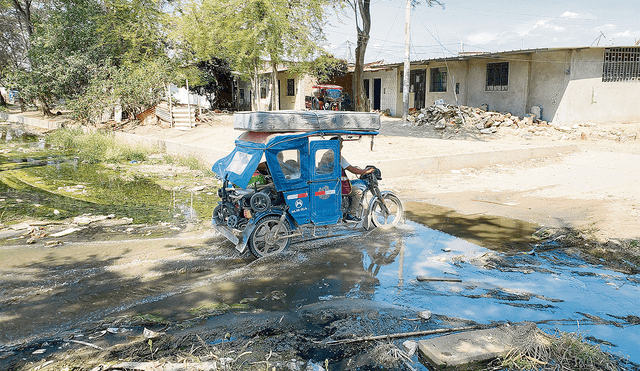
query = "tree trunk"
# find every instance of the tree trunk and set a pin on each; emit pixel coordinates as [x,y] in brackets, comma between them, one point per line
[46,110]
[3,102]
[25,14]
[255,101]
[361,102]
[275,92]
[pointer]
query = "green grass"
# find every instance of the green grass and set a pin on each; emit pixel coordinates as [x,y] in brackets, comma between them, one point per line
[95,147]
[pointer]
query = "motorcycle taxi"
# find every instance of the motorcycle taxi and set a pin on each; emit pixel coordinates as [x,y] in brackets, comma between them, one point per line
[284,179]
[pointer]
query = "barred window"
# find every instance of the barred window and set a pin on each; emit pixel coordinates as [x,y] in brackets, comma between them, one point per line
[438,80]
[497,76]
[291,88]
[621,64]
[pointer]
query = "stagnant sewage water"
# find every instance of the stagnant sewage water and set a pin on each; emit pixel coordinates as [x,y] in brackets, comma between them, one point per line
[51,291]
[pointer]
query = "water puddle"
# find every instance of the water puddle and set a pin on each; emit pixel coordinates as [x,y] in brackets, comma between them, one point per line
[423,269]
[41,183]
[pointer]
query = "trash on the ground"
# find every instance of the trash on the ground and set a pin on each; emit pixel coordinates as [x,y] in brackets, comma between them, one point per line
[53,243]
[438,279]
[425,314]
[198,188]
[65,232]
[150,334]
[85,343]
[20,226]
[39,351]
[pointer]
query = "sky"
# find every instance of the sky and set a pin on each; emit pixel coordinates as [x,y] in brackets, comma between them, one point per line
[486,26]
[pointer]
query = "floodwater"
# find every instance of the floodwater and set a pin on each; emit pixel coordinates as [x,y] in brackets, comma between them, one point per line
[76,287]
[49,293]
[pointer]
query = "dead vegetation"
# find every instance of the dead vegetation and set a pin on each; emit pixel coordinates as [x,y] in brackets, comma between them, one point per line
[619,255]
[537,350]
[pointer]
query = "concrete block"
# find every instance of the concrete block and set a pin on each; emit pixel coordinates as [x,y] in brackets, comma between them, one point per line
[471,347]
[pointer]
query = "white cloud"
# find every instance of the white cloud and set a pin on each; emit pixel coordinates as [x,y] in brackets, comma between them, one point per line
[570,15]
[606,27]
[626,33]
[483,38]
[544,25]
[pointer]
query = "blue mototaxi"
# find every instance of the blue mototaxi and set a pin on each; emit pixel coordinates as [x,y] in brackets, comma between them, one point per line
[276,184]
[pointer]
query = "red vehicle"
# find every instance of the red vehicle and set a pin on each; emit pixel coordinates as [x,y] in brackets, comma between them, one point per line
[325,97]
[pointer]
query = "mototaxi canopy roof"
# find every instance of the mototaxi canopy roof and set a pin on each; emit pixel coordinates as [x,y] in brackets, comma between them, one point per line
[239,166]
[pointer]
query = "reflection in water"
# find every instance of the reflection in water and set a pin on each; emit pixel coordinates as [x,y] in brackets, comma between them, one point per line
[554,288]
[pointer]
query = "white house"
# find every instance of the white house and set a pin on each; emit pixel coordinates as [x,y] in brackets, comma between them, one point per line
[571,85]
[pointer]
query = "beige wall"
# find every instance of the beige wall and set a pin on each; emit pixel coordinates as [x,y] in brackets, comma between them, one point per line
[588,99]
[550,74]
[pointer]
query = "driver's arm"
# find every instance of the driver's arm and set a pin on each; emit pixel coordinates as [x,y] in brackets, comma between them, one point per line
[359,171]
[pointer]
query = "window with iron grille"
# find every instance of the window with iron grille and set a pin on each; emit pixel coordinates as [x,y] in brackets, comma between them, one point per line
[438,80]
[621,64]
[291,88]
[497,76]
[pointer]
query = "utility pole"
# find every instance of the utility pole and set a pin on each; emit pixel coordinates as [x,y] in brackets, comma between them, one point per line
[407,62]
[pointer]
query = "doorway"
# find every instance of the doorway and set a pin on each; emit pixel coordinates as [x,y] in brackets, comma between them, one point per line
[377,90]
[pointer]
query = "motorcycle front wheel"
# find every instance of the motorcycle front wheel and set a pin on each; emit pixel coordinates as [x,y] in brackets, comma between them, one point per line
[268,237]
[382,220]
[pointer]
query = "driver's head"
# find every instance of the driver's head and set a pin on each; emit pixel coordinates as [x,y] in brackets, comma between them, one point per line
[337,138]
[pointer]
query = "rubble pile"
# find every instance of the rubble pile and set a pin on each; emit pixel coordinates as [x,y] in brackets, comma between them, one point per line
[450,119]
[441,115]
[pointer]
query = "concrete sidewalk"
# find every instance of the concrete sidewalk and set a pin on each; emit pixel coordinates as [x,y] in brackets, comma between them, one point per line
[395,155]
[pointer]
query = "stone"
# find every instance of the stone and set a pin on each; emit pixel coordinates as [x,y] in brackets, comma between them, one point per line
[471,347]
[410,347]
[490,130]
[425,314]
[441,124]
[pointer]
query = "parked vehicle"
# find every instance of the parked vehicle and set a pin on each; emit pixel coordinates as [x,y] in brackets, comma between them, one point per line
[277,186]
[325,97]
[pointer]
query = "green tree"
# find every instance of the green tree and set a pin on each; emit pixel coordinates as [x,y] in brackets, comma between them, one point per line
[362,12]
[248,32]
[95,53]
[215,83]
[326,68]
[14,36]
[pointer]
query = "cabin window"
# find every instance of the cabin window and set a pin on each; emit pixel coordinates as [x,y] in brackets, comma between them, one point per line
[621,64]
[497,76]
[325,161]
[438,80]
[289,161]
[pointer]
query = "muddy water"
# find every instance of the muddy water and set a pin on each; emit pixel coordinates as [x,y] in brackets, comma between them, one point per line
[52,292]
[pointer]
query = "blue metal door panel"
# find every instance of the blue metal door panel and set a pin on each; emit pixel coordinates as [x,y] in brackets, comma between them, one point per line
[325,189]
[298,202]
[325,202]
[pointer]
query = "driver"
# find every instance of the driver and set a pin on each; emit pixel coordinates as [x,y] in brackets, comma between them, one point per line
[354,193]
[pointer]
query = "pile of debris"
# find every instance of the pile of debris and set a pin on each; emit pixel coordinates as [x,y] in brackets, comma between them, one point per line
[441,115]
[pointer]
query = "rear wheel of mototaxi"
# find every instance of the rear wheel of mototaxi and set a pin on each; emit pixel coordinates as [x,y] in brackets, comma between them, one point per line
[268,237]
[382,220]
